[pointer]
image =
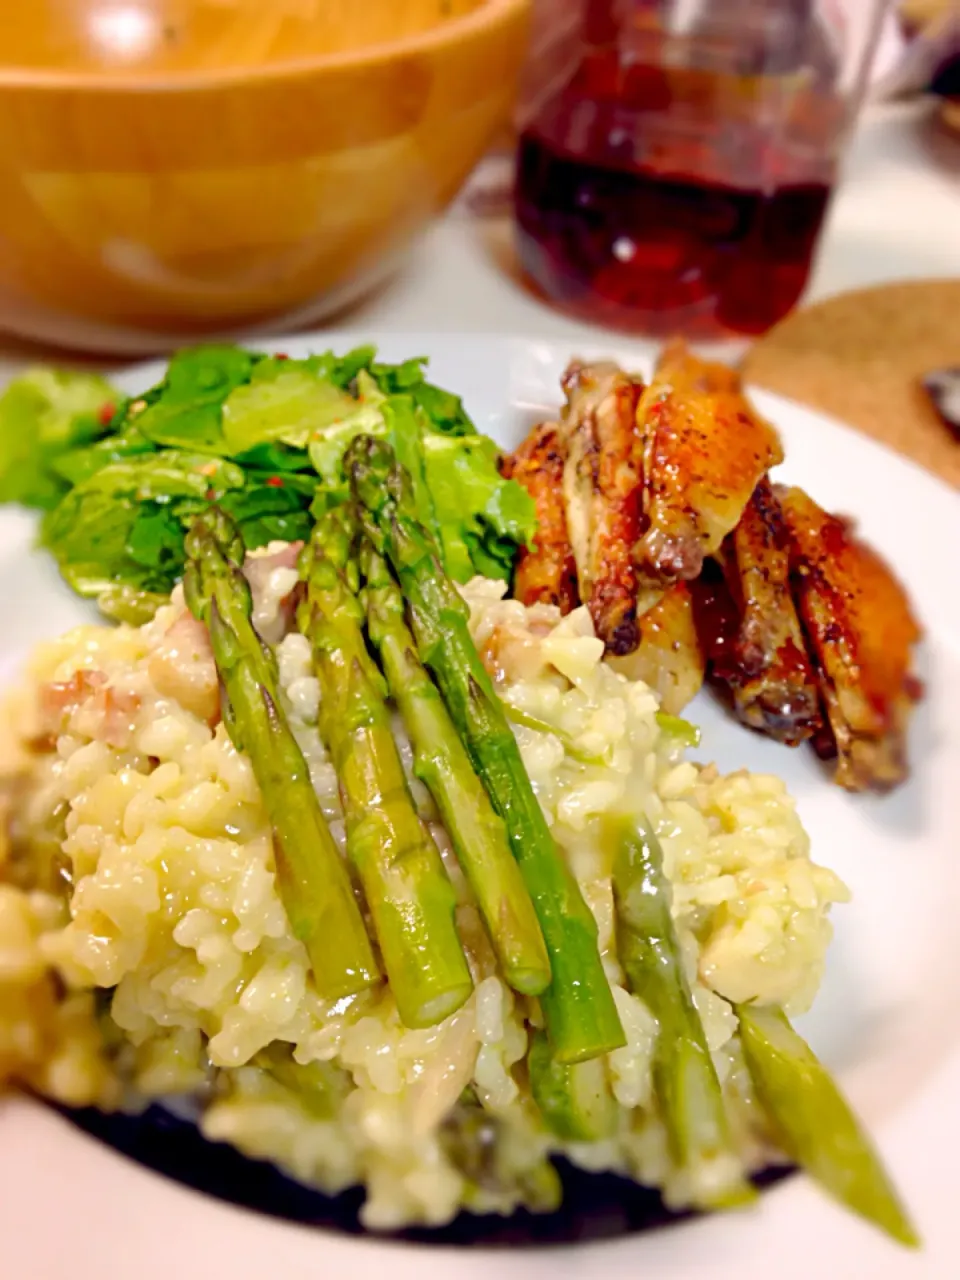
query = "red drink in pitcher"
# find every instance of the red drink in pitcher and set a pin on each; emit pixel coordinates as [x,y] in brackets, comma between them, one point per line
[672,183]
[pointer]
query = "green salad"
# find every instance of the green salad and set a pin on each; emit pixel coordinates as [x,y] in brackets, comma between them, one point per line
[120,478]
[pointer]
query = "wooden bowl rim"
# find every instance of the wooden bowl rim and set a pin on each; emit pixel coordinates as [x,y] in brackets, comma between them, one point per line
[490,14]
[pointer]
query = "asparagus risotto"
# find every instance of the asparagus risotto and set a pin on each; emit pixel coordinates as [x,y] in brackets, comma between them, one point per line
[145,951]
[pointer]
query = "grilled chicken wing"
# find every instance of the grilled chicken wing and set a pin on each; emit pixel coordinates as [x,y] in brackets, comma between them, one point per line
[669,657]
[692,375]
[861,631]
[770,676]
[546,573]
[601,486]
[704,449]
[655,510]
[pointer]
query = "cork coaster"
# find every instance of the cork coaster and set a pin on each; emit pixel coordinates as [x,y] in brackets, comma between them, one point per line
[860,356]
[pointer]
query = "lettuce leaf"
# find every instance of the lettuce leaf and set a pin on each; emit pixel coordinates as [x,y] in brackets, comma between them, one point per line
[43,414]
[275,457]
[186,410]
[262,435]
[284,403]
[272,508]
[88,533]
[123,526]
[406,430]
[77,465]
[165,475]
[155,540]
[443,410]
[227,400]
[328,443]
[480,517]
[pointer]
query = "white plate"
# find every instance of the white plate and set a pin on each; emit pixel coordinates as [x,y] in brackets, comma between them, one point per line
[888,1017]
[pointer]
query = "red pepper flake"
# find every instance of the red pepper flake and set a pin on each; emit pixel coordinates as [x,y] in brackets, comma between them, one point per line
[210,495]
[275,482]
[281,355]
[106,412]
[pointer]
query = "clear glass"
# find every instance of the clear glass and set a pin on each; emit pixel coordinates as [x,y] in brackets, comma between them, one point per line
[676,157]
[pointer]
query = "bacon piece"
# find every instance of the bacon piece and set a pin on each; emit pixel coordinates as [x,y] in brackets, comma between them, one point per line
[58,699]
[88,705]
[275,588]
[181,667]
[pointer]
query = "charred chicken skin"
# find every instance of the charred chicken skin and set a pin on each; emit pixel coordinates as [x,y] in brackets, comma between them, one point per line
[704,450]
[657,513]
[771,678]
[861,632]
[601,488]
[546,572]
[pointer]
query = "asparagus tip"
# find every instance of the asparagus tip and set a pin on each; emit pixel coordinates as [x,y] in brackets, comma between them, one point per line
[815,1125]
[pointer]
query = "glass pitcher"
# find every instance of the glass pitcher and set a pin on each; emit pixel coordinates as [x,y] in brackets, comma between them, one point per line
[676,157]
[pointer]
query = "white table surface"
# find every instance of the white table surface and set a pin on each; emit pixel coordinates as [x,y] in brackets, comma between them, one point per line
[896,216]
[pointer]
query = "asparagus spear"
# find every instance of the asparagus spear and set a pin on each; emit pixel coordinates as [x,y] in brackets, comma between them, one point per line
[321,1087]
[575,1100]
[312,878]
[813,1122]
[409,894]
[684,1078]
[578,1006]
[440,761]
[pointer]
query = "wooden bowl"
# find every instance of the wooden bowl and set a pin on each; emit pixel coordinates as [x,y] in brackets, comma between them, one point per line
[177,169]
